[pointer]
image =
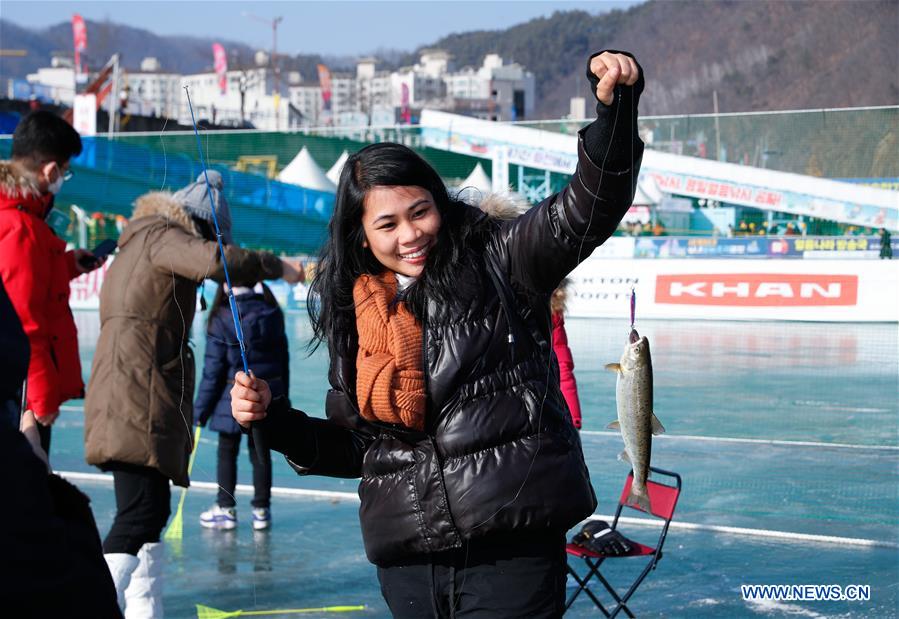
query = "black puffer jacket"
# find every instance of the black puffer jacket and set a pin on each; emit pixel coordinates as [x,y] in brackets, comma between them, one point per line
[499,455]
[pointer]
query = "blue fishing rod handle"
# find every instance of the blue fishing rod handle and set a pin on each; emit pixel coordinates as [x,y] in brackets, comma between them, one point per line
[260,440]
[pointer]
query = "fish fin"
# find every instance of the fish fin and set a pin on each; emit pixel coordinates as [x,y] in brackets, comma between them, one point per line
[614,367]
[657,427]
[624,457]
[639,500]
[615,425]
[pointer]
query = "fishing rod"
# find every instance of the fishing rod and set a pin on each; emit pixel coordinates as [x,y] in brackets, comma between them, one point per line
[258,438]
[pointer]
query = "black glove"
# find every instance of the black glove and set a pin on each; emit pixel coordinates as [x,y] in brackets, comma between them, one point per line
[603,145]
[598,536]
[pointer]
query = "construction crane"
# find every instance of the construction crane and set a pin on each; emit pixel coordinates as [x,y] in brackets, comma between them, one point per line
[273,59]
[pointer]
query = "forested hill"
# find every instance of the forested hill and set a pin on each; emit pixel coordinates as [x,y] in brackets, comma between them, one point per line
[176,54]
[758,54]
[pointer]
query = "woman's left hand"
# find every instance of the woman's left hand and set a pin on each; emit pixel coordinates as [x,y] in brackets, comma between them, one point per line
[613,69]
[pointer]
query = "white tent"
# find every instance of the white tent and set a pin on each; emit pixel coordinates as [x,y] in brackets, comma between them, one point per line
[334,173]
[303,171]
[478,179]
[648,193]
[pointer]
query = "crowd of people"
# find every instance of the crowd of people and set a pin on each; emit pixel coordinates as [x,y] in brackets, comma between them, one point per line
[743,228]
[451,395]
[638,228]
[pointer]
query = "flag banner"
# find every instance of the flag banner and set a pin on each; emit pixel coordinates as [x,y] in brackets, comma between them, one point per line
[79,36]
[221,66]
[324,79]
[406,113]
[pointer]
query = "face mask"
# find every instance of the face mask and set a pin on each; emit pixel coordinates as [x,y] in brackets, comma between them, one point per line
[55,186]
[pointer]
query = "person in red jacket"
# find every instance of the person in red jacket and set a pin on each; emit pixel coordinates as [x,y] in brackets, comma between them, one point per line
[34,265]
[566,362]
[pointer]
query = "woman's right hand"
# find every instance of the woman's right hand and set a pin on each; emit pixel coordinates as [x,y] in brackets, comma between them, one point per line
[612,69]
[250,397]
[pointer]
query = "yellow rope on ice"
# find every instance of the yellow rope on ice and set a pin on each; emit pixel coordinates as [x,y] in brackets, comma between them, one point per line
[176,528]
[205,612]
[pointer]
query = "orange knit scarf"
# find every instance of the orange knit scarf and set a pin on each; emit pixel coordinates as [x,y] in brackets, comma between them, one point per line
[390,383]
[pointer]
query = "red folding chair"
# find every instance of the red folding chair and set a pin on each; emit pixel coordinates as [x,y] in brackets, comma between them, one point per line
[662,498]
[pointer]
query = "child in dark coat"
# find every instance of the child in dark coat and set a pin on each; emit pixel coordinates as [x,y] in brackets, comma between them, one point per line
[262,322]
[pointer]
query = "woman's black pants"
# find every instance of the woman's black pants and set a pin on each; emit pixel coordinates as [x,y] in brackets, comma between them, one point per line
[481,580]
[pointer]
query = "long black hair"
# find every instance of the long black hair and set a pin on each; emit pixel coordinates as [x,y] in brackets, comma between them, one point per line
[343,258]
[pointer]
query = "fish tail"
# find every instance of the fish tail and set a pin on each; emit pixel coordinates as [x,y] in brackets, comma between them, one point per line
[639,498]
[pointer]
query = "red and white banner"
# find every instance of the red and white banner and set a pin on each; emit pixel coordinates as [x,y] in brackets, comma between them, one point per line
[406,115]
[220,59]
[832,290]
[756,289]
[84,114]
[717,190]
[794,290]
[79,36]
[324,80]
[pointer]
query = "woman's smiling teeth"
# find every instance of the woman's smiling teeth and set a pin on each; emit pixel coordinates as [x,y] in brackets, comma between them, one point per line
[415,254]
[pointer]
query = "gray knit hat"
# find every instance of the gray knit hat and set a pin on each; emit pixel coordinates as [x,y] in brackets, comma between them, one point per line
[195,201]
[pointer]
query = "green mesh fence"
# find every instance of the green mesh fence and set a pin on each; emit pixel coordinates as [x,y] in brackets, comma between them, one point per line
[232,148]
[856,144]
[112,173]
[839,143]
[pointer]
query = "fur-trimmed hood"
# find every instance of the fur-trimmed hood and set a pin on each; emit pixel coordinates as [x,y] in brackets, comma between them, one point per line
[503,206]
[16,184]
[158,204]
[510,206]
[20,191]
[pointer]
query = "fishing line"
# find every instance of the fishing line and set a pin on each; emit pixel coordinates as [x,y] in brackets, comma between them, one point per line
[539,436]
[173,532]
[549,326]
[187,424]
[258,438]
[165,158]
[218,235]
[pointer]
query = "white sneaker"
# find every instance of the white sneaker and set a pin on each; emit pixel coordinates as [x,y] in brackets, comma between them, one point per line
[219,518]
[262,518]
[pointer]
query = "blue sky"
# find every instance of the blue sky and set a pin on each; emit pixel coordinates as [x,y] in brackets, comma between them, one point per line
[334,27]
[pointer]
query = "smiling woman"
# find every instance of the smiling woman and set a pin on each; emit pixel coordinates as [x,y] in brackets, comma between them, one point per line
[401,225]
[445,393]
